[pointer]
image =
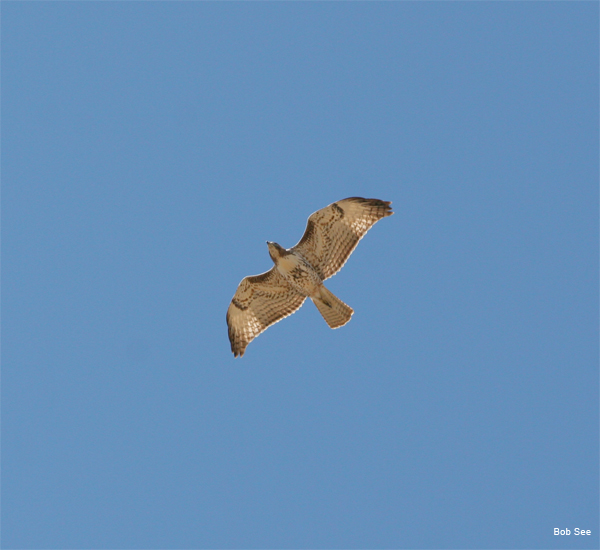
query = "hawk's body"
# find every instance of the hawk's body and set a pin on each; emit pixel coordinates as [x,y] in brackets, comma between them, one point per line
[331,235]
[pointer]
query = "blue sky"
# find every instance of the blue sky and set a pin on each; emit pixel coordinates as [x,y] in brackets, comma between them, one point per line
[149,149]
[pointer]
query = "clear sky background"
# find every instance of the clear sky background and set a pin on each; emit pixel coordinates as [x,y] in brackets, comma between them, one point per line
[149,149]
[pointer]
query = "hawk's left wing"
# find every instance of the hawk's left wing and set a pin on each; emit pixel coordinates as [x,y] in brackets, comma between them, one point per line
[333,232]
[259,302]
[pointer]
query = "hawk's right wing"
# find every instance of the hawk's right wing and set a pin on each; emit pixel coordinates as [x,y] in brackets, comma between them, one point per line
[259,302]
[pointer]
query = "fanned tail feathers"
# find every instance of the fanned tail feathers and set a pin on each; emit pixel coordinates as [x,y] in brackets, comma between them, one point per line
[335,312]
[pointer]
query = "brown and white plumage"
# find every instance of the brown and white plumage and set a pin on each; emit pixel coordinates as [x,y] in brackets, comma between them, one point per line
[259,302]
[333,232]
[331,235]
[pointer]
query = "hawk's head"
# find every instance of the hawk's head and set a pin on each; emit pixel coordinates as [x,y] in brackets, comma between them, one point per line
[276,251]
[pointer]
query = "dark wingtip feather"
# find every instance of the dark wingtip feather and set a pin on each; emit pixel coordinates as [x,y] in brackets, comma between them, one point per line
[376,203]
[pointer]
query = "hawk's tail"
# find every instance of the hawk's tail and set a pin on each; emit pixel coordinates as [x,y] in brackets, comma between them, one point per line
[333,310]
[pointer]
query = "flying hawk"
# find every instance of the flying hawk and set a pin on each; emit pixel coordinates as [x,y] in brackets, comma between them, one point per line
[331,235]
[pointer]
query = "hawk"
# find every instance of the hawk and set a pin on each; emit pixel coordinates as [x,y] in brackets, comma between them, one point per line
[331,235]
